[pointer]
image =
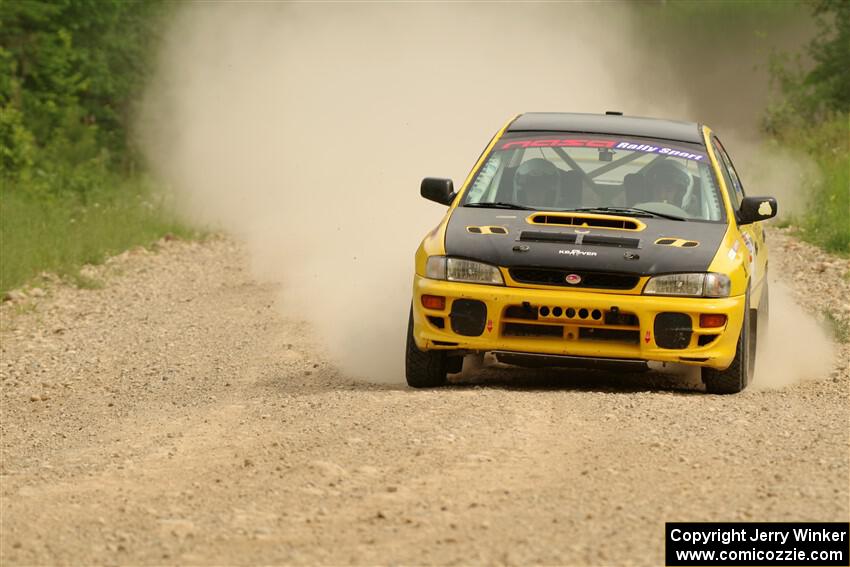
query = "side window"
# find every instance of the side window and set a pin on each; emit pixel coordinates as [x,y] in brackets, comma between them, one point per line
[736,188]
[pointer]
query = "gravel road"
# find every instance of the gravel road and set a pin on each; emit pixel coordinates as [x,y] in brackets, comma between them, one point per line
[174,417]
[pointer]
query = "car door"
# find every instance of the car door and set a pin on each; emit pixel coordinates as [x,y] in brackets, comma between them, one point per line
[753,233]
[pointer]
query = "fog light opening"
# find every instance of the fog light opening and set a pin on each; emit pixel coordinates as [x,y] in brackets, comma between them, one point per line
[556,311]
[582,313]
[544,311]
[596,314]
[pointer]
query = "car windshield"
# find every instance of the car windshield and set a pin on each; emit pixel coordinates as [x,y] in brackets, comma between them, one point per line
[563,171]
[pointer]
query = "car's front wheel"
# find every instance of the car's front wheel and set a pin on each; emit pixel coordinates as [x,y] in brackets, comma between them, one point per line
[735,378]
[424,368]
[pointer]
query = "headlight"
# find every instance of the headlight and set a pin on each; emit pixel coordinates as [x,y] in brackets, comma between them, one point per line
[694,285]
[460,270]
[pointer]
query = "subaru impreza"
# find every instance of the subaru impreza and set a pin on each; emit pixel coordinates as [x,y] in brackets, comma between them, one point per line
[594,240]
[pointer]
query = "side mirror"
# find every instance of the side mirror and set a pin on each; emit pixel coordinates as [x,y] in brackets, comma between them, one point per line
[438,190]
[754,209]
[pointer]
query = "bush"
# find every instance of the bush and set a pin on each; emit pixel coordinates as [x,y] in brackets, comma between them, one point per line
[69,71]
[17,148]
[827,222]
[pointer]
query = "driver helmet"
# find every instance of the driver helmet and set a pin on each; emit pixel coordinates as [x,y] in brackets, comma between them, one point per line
[668,181]
[536,182]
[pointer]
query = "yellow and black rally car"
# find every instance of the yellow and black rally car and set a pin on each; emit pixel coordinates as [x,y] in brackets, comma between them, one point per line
[593,240]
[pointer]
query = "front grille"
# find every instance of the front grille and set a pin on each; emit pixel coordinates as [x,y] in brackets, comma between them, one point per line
[570,323]
[552,276]
[572,315]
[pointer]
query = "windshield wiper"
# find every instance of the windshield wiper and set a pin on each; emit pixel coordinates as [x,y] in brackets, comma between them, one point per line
[633,211]
[500,205]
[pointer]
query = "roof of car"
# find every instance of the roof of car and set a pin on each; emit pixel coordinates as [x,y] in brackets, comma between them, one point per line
[607,124]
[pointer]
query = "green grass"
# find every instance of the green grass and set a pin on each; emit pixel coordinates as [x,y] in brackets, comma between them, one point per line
[826,222]
[61,233]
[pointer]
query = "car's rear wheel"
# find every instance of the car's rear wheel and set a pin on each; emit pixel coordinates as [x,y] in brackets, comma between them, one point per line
[735,378]
[424,368]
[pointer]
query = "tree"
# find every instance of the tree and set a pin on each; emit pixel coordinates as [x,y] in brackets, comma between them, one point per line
[830,77]
[69,73]
[813,94]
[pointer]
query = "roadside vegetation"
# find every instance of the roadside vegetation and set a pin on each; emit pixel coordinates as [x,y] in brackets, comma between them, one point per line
[813,115]
[60,232]
[804,47]
[72,190]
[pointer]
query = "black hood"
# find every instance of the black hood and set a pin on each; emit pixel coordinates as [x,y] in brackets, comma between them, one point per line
[651,251]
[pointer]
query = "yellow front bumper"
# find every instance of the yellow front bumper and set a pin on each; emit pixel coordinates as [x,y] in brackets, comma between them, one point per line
[577,336]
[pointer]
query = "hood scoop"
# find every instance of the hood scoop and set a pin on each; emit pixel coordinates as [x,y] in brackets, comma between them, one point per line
[589,221]
[588,239]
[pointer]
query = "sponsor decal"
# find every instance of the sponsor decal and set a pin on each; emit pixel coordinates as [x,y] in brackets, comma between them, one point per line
[751,248]
[765,208]
[647,148]
[734,250]
[489,325]
[575,252]
[630,145]
[573,279]
[646,337]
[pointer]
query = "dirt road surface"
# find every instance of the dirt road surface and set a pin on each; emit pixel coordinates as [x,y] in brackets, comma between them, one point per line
[174,417]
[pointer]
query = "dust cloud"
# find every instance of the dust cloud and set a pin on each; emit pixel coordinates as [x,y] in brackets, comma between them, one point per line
[794,348]
[769,170]
[305,129]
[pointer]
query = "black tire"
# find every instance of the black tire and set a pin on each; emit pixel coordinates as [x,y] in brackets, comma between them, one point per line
[424,369]
[735,378]
[763,319]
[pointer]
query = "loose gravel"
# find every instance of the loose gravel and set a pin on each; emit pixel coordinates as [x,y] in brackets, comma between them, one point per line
[174,417]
